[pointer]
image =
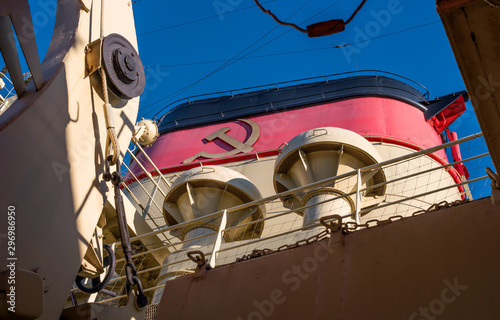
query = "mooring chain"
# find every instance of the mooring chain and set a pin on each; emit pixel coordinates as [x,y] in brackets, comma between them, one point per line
[263,252]
[334,224]
[131,272]
[353,226]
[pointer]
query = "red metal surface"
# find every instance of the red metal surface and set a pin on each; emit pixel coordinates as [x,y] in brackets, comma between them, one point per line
[457,155]
[369,117]
[446,117]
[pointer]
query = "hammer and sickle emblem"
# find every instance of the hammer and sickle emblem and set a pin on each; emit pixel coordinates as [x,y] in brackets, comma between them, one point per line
[238,146]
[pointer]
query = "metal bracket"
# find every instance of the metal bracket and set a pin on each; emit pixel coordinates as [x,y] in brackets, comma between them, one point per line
[495,178]
[333,224]
[495,187]
[201,263]
[330,223]
[93,57]
[336,239]
[198,257]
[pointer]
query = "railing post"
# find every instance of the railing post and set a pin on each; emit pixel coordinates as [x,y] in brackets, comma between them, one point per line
[218,241]
[153,164]
[358,196]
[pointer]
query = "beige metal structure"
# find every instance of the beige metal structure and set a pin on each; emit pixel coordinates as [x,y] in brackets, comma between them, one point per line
[55,139]
[323,153]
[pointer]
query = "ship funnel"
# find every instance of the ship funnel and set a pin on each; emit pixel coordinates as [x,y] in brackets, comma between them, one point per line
[323,153]
[202,191]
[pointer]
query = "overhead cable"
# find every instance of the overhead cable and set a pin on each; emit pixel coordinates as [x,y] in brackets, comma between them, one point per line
[319,29]
[197,20]
[227,63]
[296,51]
[384,35]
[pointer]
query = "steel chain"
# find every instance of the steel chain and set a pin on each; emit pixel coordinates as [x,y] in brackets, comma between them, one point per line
[264,252]
[353,226]
[347,228]
[130,270]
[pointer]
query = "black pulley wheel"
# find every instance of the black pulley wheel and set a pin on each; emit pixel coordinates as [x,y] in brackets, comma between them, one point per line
[97,285]
[124,70]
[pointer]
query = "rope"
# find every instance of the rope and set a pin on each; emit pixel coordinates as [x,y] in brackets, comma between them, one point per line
[293,25]
[111,137]
[492,3]
[116,179]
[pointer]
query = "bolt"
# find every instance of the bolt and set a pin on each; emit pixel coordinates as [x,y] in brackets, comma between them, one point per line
[282,176]
[130,63]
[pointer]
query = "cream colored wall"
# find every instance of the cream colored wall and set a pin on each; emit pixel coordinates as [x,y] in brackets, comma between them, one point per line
[53,152]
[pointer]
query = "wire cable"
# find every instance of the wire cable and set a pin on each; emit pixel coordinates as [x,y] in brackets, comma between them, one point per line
[385,35]
[293,25]
[316,49]
[228,63]
[252,57]
[283,23]
[355,12]
[298,51]
[197,20]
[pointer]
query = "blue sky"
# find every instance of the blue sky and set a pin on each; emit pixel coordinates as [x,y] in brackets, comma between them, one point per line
[422,54]
[181,42]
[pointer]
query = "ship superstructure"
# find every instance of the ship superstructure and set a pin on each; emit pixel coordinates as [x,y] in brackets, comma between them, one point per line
[343,197]
[232,175]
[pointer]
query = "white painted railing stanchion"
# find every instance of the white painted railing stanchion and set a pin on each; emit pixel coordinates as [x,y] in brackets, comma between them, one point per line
[358,196]
[218,242]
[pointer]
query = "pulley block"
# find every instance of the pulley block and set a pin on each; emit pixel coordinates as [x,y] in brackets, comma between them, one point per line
[123,67]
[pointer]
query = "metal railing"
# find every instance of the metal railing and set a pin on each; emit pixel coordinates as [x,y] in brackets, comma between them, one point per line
[7,92]
[328,181]
[284,225]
